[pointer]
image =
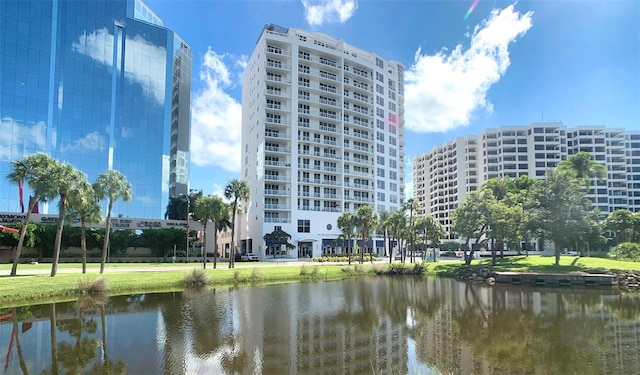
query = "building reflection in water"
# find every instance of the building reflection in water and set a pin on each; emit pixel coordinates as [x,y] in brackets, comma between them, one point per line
[357,326]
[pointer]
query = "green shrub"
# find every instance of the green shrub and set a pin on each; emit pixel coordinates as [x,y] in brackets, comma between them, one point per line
[97,286]
[420,268]
[236,277]
[196,278]
[359,268]
[256,276]
[396,269]
[379,269]
[626,251]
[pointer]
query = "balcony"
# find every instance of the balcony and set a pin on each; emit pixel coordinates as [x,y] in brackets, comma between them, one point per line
[277,220]
[277,192]
[277,207]
[270,177]
[278,149]
[277,51]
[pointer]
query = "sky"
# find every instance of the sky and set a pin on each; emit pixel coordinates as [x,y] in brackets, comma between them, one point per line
[470,65]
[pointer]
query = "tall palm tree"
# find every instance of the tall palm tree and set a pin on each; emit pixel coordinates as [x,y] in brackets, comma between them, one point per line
[33,169]
[237,190]
[211,209]
[431,229]
[346,224]
[84,206]
[411,205]
[383,226]
[65,178]
[583,167]
[366,220]
[111,185]
[396,224]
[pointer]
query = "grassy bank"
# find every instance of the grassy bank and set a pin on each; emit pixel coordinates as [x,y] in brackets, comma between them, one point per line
[26,289]
[542,264]
[128,278]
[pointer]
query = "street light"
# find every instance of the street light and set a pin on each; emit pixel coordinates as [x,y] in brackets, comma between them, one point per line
[187,234]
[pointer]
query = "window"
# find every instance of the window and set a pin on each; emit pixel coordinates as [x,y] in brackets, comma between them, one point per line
[380,77]
[380,101]
[380,160]
[380,112]
[379,89]
[380,124]
[380,136]
[392,141]
[392,152]
[304,226]
[379,63]
[392,106]
[381,197]
[380,172]
[380,184]
[380,148]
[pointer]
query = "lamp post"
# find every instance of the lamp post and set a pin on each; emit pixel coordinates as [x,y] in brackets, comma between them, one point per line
[187,234]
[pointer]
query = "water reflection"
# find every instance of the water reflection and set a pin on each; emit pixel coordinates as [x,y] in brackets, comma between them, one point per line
[360,326]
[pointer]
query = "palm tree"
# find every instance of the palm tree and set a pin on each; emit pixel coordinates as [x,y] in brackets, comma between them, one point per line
[113,185]
[347,223]
[411,205]
[383,226]
[237,190]
[211,209]
[366,220]
[34,169]
[84,206]
[65,178]
[431,229]
[396,223]
[582,166]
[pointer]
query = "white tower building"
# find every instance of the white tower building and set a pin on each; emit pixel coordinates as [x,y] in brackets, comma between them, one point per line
[443,177]
[322,133]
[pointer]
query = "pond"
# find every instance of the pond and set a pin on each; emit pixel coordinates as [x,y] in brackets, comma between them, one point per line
[380,325]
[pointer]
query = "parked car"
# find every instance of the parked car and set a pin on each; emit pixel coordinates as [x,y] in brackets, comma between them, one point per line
[250,257]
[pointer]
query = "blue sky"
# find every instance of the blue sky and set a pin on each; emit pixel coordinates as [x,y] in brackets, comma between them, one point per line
[506,64]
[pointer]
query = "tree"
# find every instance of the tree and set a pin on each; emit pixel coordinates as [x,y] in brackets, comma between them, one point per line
[236,190]
[472,219]
[411,205]
[65,179]
[347,224]
[211,209]
[111,185]
[560,201]
[430,229]
[383,226]
[366,220]
[396,224]
[84,206]
[582,167]
[177,208]
[621,222]
[34,169]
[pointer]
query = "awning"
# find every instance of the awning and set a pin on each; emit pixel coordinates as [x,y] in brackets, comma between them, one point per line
[308,240]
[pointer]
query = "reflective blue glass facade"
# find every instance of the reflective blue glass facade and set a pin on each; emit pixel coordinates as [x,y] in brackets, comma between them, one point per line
[99,84]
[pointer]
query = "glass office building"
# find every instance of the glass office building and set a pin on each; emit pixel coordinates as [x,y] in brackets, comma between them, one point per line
[99,84]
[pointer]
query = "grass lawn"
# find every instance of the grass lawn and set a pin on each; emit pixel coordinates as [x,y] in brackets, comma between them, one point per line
[544,264]
[15,291]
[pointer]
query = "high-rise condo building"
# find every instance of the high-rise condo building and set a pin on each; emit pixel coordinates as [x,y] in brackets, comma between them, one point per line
[322,133]
[443,177]
[98,84]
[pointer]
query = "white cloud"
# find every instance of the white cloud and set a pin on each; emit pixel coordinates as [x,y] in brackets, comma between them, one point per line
[443,90]
[16,138]
[216,118]
[218,190]
[90,142]
[98,45]
[317,12]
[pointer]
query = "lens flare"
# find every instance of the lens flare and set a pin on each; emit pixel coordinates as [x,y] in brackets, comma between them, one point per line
[471,8]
